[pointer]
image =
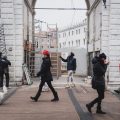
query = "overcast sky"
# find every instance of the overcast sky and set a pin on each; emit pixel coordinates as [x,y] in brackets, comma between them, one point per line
[62,18]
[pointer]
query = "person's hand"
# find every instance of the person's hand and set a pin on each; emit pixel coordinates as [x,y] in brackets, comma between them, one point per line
[60,57]
[106,62]
[38,74]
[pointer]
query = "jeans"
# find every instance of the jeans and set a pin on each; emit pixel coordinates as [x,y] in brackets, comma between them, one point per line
[70,76]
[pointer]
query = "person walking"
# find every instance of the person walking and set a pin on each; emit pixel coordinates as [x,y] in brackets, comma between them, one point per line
[7,63]
[46,77]
[71,68]
[1,70]
[99,69]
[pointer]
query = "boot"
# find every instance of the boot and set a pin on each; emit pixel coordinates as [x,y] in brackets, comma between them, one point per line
[117,91]
[100,112]
[88,106]
[34,99]
[56,98]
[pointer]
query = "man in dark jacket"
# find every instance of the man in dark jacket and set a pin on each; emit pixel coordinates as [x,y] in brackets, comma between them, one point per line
[1,70]
[7,63]
[46,76]
[99,69]
[71,67]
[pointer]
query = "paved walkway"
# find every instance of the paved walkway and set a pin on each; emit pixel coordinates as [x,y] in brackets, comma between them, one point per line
[70,107]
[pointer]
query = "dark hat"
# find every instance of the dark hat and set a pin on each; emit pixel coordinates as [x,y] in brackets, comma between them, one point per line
[102,55]
[72,54]
[5,57]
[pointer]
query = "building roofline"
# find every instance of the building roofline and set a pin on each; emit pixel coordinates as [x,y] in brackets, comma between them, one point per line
[73,27]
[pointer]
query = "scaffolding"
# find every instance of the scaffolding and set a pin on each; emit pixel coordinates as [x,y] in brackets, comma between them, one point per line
[2,36]
[2,40]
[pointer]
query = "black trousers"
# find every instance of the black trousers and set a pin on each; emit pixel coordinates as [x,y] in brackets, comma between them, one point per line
[6,77]
[98,100]
[1,79]
[41,86]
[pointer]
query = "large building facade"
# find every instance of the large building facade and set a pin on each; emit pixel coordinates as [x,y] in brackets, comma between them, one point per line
[17,18]
[104,35]
[73,37]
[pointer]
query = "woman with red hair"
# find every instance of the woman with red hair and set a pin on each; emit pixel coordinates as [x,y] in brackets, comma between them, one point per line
[46,76]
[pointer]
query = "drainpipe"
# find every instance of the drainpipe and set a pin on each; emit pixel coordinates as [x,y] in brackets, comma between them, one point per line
[87,42]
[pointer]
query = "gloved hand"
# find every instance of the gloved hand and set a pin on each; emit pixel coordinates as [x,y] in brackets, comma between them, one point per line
[60,57]
[38,74]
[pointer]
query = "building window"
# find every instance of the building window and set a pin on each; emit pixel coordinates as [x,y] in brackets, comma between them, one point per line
[79,42]
[76,42]
[37,44]
[69,33]
[84,41]
[79,31]
[76,32]
[69,44]
[72,32]
[72,43]
[84,29]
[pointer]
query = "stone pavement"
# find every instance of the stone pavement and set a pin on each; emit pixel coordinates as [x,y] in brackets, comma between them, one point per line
[10,92]
[70,107]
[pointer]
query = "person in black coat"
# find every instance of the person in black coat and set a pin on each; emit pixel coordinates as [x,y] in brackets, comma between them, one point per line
[99,69]
[1,70]
[71,67]
[7,63]
[46,76]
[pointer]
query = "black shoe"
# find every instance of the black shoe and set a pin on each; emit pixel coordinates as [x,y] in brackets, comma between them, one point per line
[33,98]
[89,108]
[100,112]
[117,91]
[55,100]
